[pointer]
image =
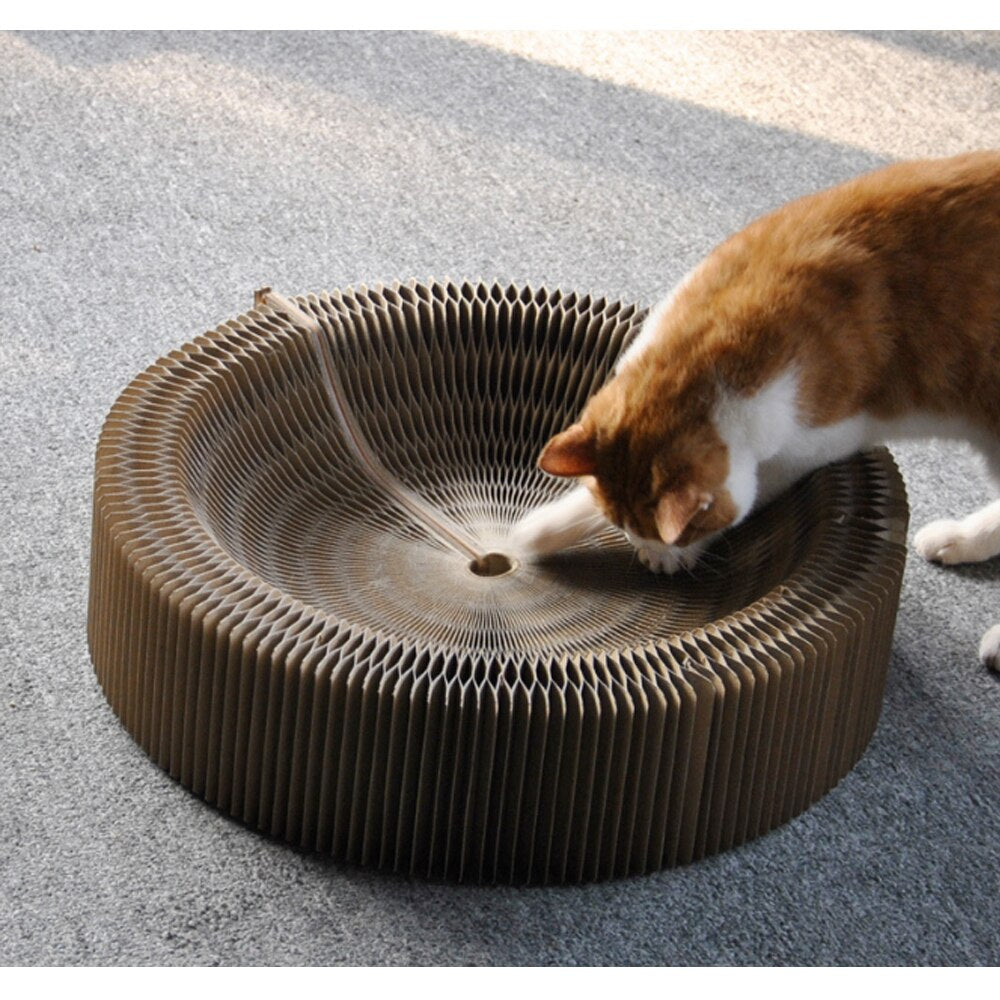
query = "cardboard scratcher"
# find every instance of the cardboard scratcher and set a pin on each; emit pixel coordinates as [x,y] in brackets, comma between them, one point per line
[301,604]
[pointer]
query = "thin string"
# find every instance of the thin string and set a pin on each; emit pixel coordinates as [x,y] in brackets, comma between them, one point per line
[319,340]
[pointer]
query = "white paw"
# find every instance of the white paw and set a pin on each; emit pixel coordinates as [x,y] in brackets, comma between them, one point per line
[536,534]
[989,649]
[557,525]
[666,558]
[946,542]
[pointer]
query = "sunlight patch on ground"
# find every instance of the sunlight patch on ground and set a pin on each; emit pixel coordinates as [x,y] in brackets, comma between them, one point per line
[847,89]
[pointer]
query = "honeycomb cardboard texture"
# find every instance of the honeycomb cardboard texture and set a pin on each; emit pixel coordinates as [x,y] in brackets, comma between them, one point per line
[303,605]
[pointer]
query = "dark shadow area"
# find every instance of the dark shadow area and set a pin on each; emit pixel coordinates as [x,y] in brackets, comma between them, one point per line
[986,572]
[975,48]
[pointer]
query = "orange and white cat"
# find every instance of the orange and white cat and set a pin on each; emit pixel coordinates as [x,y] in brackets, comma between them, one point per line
[861,314]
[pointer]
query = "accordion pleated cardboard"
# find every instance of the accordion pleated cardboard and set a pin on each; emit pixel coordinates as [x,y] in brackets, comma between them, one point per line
[277,629]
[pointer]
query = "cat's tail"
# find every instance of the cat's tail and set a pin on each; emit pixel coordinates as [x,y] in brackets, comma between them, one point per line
[558,525]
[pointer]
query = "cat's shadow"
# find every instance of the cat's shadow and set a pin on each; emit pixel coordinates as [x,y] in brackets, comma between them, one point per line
[987,572]
[689,597]
[598,569]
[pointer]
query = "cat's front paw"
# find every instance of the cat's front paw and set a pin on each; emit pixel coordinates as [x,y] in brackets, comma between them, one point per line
[666,558]
[537,534]
[989,650]
[557,525]
[947,542]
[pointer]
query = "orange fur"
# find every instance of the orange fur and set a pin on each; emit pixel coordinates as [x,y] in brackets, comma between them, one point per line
[883,294]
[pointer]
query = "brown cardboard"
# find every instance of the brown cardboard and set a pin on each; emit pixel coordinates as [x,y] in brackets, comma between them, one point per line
[283,614]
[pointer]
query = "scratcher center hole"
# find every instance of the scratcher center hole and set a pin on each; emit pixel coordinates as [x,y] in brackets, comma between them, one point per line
[493,564]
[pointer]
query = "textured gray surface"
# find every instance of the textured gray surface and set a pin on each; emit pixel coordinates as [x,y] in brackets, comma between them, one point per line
[149,183]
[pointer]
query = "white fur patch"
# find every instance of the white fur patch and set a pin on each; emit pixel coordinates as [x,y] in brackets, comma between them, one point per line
[765,433]
[762,424]
[558,525]
[758,431]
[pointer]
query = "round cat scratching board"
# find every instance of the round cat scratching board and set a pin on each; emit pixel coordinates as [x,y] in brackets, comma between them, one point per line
[302,606]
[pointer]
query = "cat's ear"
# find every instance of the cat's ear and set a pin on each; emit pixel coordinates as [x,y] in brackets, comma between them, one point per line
[571,453]
[675,511]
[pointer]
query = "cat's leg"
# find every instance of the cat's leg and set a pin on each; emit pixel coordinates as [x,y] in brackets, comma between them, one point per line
[989,649]
[971,539]
[559,524]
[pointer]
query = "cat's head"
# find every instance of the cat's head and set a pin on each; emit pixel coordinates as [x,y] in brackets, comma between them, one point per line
[659,472]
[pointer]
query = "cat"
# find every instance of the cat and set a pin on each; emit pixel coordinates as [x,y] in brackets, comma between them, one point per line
[861,314]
